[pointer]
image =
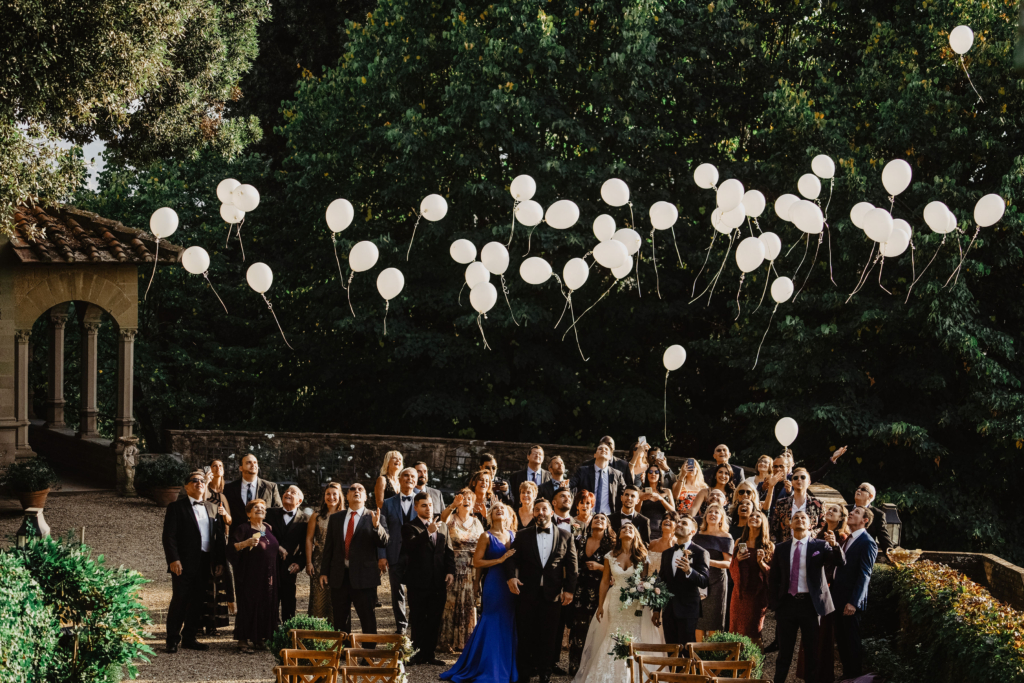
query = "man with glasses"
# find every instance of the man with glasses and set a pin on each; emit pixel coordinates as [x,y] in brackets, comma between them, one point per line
[534,472]
[863,497]
[500,487]
[802,500]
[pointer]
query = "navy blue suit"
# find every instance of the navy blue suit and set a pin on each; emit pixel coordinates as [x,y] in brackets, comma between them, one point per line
[396,518]
[851,587]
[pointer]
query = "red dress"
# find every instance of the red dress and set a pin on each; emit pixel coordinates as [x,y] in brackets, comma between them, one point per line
[749,597]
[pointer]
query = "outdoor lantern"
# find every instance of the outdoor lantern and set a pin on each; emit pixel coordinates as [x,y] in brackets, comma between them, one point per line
[33,525]
[892,523]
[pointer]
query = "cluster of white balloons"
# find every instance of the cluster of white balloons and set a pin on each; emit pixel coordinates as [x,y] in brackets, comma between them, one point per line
[236,200]
[805,213]
[494,260]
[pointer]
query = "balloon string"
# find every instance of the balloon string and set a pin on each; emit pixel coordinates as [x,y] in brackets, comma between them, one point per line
[714,280]
[206,274]
[831,186]
[504,290]
[460,292]
[772,317]
[810,271]
[710,246]
[913,266]
[793,247]
[742,276]
[831,275]
[654,259]
[807,246]
[980,99]
[639,253]
[864,273]
[750,228]
[767,277]
[880,269]
[348,291]
[956,271]
[665,406]
[238,234]
[387,306]
[271,308]
[230,227]
[757,225]
[529,236]
[676,244]
[513,231]
[575,331]
[334,241]
[156,260]
[418,217]
[925,269]
[574,322]
[481,326]
[564,309]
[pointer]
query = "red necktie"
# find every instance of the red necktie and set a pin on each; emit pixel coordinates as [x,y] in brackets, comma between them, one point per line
[349,531]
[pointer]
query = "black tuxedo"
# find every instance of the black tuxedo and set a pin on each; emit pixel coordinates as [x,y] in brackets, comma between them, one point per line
[354,584]
[642,524]
[267,490]
[182,542]
[425,566]
[585,478]
[397,517]
[539,607]
[804,611]
[292,538]
[851,587]
[682,612]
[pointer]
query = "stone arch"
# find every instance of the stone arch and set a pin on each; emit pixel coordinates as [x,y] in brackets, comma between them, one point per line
[113,288]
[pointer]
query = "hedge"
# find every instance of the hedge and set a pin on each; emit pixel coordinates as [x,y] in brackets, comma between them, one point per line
[281,639]
[28,627]
[749,650]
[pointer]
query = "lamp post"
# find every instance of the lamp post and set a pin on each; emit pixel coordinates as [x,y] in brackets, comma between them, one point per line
[893,523]
[33,525]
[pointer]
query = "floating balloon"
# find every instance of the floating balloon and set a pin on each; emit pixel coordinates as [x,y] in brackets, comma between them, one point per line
[575,273]
[783,205]
[604,227]
[535,270]
[663,215]
[624,269]
[951,225]
[878,225]
[823,167]
[529,213]
[718,224]
[987,211]
[390,283]
[809,186]
[494,256]
[705,176]
[786,431]
[936,215]
[961,39]
[674,357]
[734,218]
[482,297]
[730,194]
[433,207]
[807,216]
[476,273]
[163,222]
[463,251]
[231,214]
[245,197]
[782,289]
[896,176]
[224,189]
[523,187]
[750,254]
[562,214]
[615,192]
[195,260]
[630,238]
[753,202]
[260,277]
[611,254]
[896,245]
[772,245]
[363,256]
[900,224]
[339,215]
[859,212]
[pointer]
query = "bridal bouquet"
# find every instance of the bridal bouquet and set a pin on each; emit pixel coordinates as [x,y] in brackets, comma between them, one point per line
[648,592]
[621,641]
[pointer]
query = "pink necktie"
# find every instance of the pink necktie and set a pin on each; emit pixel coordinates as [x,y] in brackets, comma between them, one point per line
[794,571]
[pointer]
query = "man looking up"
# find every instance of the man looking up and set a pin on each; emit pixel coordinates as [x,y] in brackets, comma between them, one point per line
[249,487]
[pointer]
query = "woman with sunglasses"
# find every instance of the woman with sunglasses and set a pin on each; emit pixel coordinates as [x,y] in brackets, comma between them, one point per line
[656,500]
[801,500]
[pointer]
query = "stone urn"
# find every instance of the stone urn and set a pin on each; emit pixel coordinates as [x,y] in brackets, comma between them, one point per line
[164,496]
[33,499]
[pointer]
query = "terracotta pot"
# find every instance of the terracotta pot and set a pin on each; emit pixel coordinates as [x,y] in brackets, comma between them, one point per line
[33,499]
[165,496]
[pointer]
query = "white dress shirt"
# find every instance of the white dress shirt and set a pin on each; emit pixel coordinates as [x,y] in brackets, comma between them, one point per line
[678,554]
[801,582]
[289,516]
[344,527]
[406,504]
[203,520]
[544,545]
[796,509]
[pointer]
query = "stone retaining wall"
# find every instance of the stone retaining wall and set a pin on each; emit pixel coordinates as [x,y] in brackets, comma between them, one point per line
[1003,580]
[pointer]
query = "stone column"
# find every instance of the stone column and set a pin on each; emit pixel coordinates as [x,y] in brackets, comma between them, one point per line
[123,420]
[21,394]
[55,399]
[89,412]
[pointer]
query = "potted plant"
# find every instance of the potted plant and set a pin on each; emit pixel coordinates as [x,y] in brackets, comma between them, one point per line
[31,481]
[160,478]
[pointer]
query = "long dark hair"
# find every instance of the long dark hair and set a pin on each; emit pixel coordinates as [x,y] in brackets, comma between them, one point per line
[730,487]
[607,541]
[764,541]
[661,477]
[637,549]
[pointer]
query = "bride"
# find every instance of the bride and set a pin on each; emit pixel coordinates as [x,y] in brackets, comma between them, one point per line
[627,557]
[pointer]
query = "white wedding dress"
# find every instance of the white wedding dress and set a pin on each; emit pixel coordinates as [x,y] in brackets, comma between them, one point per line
[596,665]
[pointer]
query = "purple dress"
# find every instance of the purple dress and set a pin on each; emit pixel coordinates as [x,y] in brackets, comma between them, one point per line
[255,583]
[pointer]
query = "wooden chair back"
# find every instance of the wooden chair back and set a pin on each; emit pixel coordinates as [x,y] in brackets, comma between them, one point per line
[662,677]
[649,665]
[297,657]
[667,650]
[325,640]
[368,674]
[364,639]
[731,650]
[741,669]
[375,657]
[719,679]
[306,674]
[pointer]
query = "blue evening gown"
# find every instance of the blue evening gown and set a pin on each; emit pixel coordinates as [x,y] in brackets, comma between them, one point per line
[490,654]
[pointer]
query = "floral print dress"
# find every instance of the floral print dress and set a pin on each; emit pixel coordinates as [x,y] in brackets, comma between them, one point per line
[460,608]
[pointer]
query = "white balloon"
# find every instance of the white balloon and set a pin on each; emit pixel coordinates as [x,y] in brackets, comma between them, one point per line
[611,254]
[753,202]
[936,215]
[163,222]
[782,289]
[562,214]
[750,254]
[705,176]
[807,216]
[260,277]
[604,227]
[340,214]
[224,189]
[615,192]
[663,215]
[902,225]
[730,194]
[529,213]
[950,224]
[483,297]
[878,225]
[245,197]
[623,270]
[476,273]
[987,211]
[630,238]
[433,207]
[809,186]
[772,245]
[463,251]
[575,273]
[896,176]
[823,166]
[523,187]
[897,244]
[786,431]
[734,218]
[783,204]
[390,283]
[195,260]
[494,256]
[674,357]
[231,213]
[718,224]
[859,211]
[535,270]
[961,39]
[363,256]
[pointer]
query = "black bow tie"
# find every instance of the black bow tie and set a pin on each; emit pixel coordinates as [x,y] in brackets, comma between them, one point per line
[543,531]
[196,503]
[406,498]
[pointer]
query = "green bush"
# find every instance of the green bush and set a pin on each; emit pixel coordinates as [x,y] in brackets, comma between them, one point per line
[749,650]
[282,640]
[28,627]
[164,471]
[30,475]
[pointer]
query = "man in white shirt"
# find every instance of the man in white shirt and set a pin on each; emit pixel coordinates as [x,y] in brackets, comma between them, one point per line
[288,524]
[684,568]
[850,589]
[629,499]
[533,472]
[249,487]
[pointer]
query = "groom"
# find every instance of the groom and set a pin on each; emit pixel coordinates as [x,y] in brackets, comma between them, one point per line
[686,574]
[542,572]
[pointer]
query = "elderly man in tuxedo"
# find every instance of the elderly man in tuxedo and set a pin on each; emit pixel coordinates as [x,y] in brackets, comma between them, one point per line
[398,511]
[850,590]
[600,478]
[863,497]
[798,592]
[289,528]
[349,563]
[428,566]
[193,540]
[249,487]
[684,569]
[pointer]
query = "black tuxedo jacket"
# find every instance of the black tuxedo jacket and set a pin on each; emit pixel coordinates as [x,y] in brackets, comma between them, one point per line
[642,524]
[819,555]
[548,489]
[686,590]
[517,478]
[362,559]
[584,480]
[425,564]
[559,573]
[182,540]
[291,537]
[267,490]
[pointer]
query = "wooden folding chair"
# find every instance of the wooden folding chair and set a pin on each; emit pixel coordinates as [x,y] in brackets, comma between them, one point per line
[318,640]
[379,658]
[740,669]
[731,650]
[649,665]
[655,649]
[662,677]
[293,657]
[306,674]
[741,680]
[368,674]
[364,639]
